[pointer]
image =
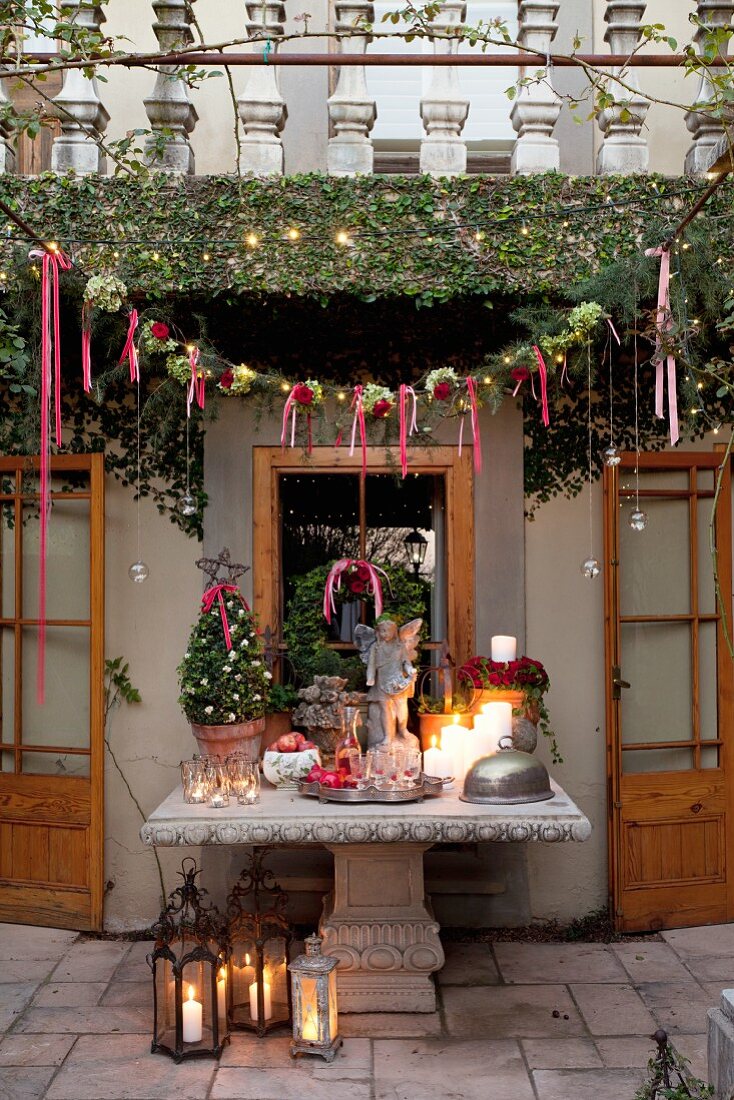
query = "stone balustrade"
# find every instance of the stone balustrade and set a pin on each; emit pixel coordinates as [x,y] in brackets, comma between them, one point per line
[443,107]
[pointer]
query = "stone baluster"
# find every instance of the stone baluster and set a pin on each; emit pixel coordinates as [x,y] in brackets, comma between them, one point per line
[443,109]
[7,153]
[261,107]
[170,111]
[351,111]
[79,107]
[536,109]
[624,149]
[706,131]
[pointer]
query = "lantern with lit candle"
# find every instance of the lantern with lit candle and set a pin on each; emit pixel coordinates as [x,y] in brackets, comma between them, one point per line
[189,964]
[259,937]
[315,1016]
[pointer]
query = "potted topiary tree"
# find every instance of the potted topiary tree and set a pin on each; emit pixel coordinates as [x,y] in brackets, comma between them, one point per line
[223,678]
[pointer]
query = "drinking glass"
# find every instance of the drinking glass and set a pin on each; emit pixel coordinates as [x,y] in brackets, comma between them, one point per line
[411,767]
[381,769]
[194,782]
[359,770]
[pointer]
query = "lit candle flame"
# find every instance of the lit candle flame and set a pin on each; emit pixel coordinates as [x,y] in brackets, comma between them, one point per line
[191,992]
[434,741]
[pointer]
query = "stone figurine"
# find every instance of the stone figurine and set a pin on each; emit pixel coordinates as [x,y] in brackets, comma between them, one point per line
[388,651]
[321,708]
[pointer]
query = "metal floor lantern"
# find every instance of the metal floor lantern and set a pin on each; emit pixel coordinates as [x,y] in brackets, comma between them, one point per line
[259,936]
[189,974]
[315,1016]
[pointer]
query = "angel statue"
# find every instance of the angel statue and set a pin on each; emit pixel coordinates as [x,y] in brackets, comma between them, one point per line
[389,653]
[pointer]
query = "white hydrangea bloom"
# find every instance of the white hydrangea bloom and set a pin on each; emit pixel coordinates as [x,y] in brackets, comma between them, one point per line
[231,654]
[226,668]
[208,710]
[238,677]
[230,605]
[241,612]
[255,664]
[232,717]
[204,682]
[268,675]
[236,697]
[257,697]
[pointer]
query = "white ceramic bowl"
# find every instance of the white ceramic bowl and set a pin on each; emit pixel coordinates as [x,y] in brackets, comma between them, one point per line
[285,770]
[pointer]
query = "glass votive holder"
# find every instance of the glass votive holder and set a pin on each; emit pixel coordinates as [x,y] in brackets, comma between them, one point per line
[194,782]
[358,769]
[411,767]
[218,785]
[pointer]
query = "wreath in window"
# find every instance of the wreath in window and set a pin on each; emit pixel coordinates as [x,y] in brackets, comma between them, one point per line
[306,632]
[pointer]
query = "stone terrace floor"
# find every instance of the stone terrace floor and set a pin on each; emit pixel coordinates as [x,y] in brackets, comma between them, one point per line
[516,1021]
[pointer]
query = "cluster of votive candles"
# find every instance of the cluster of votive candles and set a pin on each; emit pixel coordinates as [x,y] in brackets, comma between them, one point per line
[193,1010]
[460,748]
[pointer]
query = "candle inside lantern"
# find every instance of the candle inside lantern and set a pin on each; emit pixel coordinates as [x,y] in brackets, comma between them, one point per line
[217,800]
[453,739]
[197,794]
[192,1018]
[222,994]
[267,1005]
[504,648]
[436,762]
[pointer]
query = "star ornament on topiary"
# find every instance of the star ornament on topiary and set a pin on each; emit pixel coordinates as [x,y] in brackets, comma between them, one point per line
[213,566]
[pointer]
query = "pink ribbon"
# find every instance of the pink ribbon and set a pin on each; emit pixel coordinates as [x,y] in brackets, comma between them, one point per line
[664,323]
[564,370]
[289,410]
[51,262]
[130,352]
[543,372]
[216,592]
[471,387]
[358,407]
[613,330]
[334,583]
[407,425]
[197,383]
[86,347]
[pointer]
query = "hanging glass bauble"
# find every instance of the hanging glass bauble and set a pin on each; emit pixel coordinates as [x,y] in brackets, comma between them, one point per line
[611,455]
[186,505]
[591,568]
[638,520]
[138,572]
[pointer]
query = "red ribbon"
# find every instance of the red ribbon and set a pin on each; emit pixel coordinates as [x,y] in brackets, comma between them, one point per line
[216,592]
[130,352]
[358,407]
[51,262]
[543,372]
[471,387]
[86,347]
[664,323]
[197,383]
[289,410]
[334,583]
[407,425]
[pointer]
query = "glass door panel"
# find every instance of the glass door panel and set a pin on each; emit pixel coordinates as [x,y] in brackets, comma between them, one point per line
[63,719]
[657,662]
[654,572]
[67,568]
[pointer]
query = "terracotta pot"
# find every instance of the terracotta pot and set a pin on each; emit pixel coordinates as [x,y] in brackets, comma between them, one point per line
[222,741]
[276,723]
[430,725]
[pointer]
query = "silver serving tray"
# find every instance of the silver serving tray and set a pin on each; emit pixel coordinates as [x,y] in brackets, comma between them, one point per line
[427,786]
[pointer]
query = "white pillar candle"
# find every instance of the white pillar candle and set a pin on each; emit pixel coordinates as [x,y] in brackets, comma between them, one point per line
[266,998]
[436,762]
[453,739]
[496,722]
[222,995]
[192,1019]
[480,741]
[504,648]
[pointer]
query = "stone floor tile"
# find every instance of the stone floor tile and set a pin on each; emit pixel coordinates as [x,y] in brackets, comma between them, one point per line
[712,969]
[560,1053]
[14,997]
[29,1083]
[35,1050]
[651,962]
[390,1025]
[129,993]
[677,1006]
[511,1012]
[613,1010]
[545,963]
[580,1084]
[468,964]
[628,1053]
[274,1053]
[714,990]
[90,961]
[21,941]
[437,1069]
[695,1049]
[716,939]
[86,1021]
[25,970]
[243,1083]
[133,967]
[122,1068]
[57,994]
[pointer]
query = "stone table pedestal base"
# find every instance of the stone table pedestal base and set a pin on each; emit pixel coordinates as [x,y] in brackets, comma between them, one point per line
[379,924]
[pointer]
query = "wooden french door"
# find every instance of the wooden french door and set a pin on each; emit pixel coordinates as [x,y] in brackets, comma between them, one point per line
[51,756]
[670,694]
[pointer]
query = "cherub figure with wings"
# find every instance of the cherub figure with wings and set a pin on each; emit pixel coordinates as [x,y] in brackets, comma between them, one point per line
[389,652]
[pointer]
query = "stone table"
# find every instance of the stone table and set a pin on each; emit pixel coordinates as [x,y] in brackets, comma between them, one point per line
[377,921]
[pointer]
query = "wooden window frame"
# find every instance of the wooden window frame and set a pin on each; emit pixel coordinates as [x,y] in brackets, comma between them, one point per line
[269,463]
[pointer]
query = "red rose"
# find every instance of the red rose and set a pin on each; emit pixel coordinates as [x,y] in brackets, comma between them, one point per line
[520,374]
[441,391]
[363,572]
[382,409]
[302,393]
[357,586]
[227,379]
[159,330]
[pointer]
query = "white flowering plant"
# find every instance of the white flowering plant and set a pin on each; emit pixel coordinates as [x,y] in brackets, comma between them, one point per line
[219,685]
